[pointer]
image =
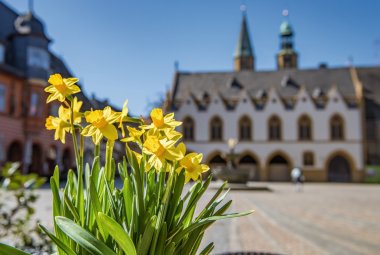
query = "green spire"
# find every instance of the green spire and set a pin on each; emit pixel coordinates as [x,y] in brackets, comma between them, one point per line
[286,29]
[243,47]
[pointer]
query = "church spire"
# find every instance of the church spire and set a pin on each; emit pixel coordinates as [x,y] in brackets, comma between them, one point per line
[243,56]
[31,5]
[287,57]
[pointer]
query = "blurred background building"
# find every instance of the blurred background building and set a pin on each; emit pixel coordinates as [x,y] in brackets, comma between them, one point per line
[324,120]
[25,65]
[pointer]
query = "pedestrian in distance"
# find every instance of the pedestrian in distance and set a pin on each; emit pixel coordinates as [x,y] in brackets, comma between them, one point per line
[298,178]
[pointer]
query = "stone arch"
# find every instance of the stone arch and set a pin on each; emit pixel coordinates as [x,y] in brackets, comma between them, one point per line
[250,162]
[52,157]
[340,166]
[15,152]
[215,161]
[279,165]
[36,165]
[215,158]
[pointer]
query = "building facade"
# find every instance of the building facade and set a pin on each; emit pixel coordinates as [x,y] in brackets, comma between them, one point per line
[315,119]
[25,65]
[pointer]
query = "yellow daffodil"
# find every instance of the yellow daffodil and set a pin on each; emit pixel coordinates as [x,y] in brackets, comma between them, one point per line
[60,125]
[134,135]
[101,124]
[123,115]
[160,151]
[192,165]
[76,110]
[159,121]
[61,88]
[171,134]
[138,157]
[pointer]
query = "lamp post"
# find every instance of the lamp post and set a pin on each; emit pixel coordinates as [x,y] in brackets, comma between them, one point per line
[231,142]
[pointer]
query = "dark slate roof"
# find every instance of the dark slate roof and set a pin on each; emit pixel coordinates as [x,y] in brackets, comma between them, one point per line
[30,20]
[370,78]
[286,82]
[7,18]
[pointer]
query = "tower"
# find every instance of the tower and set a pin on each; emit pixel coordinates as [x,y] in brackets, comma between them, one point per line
[243,56]
[287,56]
[30,45]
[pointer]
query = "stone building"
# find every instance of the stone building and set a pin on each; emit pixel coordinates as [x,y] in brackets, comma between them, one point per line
[25,65]
[324,120]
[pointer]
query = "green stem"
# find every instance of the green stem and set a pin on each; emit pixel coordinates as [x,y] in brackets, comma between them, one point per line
[79,163]
[74,136]
[108,168]
[97,150]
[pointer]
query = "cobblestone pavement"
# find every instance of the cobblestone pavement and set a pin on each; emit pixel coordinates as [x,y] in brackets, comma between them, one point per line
[322,219]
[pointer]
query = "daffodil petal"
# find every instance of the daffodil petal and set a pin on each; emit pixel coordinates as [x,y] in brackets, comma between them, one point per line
[109,131]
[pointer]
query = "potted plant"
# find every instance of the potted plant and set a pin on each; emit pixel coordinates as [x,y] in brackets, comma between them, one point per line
[150,213]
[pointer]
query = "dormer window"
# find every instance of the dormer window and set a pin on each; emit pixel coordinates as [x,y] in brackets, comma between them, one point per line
[38,58]
[2,53]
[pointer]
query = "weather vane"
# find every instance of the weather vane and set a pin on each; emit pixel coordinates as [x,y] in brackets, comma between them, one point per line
[285,12]
[30,6]
[243,8]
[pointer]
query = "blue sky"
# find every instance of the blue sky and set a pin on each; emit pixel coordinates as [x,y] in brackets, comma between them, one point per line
[122,49]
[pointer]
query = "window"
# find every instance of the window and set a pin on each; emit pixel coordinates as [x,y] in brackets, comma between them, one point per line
[216,129]
[54,109]
[188,129]
[2,53]
[38,57]
[308,158]
[336,128]
[304,128]
[274,128]
[2,98]
[35,109]
[245,127]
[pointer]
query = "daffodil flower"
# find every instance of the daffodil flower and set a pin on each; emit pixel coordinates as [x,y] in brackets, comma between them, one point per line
[61,88]
[59,124]
[76,105]
[159,121]
[134,135]
[123,115]
[101,124]
[193,167]
[160,151]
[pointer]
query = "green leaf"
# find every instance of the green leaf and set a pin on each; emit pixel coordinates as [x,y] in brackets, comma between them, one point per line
[144,245]
[161,241]
[202,222]
[112,204]
[208,249]
[128,199]
[170,248]
[8,250]
[80,196]
[83,237]
[118,233]
[72,208]
[96,205]
[58,242]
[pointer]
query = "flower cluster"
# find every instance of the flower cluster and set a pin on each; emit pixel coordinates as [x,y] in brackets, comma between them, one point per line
[158,140]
